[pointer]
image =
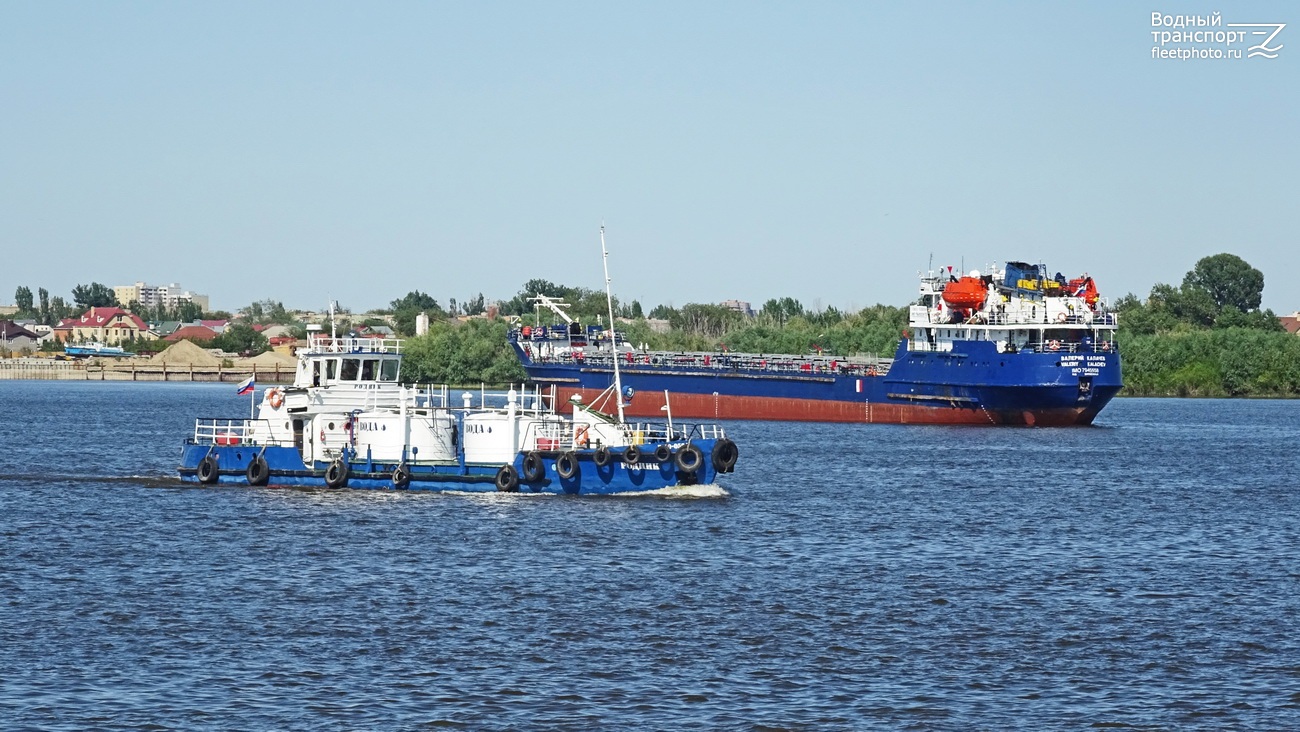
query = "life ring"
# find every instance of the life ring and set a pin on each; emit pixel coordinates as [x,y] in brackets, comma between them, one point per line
[1105,345]
[507,479]
[336,475]
[725,454]
[257,473]
[580,437]
[566,465]
[632,455]
[871,371]
[602,457]
[1061,318]
[534,467]
[208,472]
[402,477]
[689,459]
[274,397]
[663,453]
[1054,346]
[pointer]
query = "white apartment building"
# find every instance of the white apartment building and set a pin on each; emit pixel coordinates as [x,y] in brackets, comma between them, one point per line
[166,295]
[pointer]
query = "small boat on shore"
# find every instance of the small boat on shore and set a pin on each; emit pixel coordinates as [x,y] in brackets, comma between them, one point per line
[96,350]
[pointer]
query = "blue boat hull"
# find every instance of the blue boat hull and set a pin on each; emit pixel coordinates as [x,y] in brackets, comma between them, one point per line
[285,467]
[972,384]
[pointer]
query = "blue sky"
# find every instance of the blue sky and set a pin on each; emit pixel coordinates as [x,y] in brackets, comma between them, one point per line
[823,151]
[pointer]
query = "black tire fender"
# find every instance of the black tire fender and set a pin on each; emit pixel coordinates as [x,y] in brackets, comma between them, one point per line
[336,475]
[507,479]
[689,459]
[207,471]
[566,465]
[534,467]
[724,456]
[257,473]
[632,455]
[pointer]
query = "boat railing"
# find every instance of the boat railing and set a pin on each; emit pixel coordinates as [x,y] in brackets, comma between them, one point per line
[352,344]
[1058,346]
[923,316]
[528,399]
[728,362]
[224,432]
[565,435]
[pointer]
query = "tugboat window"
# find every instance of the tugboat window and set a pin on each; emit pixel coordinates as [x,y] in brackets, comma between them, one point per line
[368,369]
[332,369]
[388,370]
[351,367]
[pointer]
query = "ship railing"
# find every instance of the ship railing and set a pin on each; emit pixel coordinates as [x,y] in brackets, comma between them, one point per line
[529,399]
[923,316]
[352,344]
[561,435]
[727,362]
[226,432]
[1057,346]
[926,346]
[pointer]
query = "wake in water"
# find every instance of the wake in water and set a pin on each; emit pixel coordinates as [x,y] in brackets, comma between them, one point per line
[164,481]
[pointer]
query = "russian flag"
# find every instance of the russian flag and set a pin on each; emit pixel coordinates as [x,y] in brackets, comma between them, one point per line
[246,386]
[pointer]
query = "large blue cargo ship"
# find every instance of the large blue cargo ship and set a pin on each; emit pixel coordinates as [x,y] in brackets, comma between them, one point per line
[1011,345]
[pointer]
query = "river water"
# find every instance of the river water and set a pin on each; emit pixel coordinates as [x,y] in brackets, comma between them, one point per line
[1141,573]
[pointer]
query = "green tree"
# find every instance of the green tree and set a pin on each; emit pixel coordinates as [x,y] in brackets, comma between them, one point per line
[44,314]
[59,309]
[187,312]
[241,338]
[663,312]
[1228,280]
[464,354]
[474,306]
[23,299]
[94,295]
[706,320]
[409,306]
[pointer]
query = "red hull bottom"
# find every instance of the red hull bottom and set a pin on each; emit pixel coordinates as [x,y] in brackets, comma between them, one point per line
[702,406]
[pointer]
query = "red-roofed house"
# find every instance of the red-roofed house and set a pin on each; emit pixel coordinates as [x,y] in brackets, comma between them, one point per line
[199,333]
[111,326]
[1291,323]
[217,326]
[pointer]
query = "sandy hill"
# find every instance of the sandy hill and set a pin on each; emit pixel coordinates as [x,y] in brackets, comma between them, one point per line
[185,353]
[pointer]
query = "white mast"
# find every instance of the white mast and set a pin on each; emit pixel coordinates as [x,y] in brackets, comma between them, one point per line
[613,344]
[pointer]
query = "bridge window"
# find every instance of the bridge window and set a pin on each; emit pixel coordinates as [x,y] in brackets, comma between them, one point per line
[332,369]
[351,367]
[388,369]
[368,369]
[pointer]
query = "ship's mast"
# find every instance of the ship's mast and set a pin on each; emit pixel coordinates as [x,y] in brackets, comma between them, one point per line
[613,340]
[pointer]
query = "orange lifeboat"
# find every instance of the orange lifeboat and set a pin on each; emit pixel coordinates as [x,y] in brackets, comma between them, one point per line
[1085,288]
[967,293]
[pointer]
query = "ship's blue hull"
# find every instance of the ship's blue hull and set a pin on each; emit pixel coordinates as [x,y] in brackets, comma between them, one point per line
[284,467]
[973,383]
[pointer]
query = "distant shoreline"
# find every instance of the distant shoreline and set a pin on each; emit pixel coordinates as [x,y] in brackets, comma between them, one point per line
[48,370]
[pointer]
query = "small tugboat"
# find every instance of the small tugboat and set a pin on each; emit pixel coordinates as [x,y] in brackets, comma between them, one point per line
[348,422]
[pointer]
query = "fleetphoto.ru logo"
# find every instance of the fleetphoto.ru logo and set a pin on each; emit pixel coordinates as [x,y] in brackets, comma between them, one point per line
[1185,37]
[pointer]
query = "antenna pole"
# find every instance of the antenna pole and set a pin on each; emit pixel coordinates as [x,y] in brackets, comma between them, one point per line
[613,340]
